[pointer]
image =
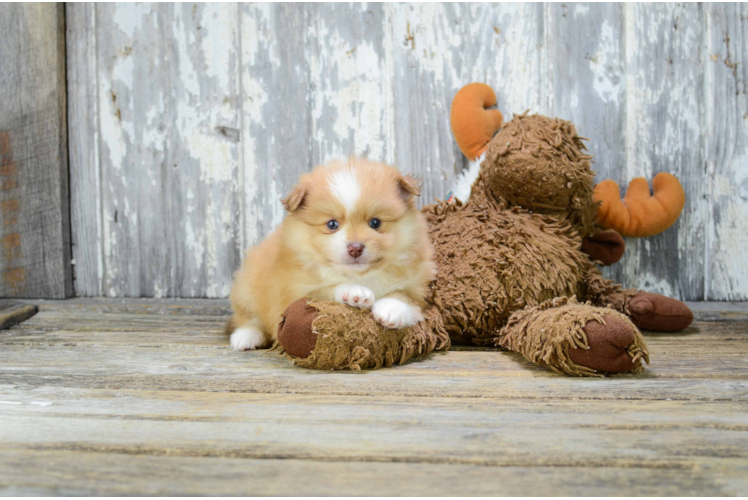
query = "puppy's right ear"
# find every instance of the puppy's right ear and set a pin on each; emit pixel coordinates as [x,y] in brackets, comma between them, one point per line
[295,200]
[409,187]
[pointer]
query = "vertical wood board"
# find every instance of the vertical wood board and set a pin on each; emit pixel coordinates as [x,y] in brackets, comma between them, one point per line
[726,136]
[34,199]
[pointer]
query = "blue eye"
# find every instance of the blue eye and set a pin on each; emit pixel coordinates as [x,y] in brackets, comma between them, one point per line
[332,225]
[375,223]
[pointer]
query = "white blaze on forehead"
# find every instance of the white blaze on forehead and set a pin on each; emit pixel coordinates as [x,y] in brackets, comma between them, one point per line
[345,187]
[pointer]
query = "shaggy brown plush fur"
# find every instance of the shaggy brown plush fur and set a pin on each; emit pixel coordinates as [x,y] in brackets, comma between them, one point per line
[492,261]
[545,334]
[538,163]
[343,337]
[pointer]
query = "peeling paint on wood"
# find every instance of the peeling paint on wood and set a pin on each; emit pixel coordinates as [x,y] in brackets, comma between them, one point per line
[194,120]
[726,122]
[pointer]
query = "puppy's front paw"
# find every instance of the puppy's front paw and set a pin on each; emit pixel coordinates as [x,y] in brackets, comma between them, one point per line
[245,339]
[394,313]
[354,295]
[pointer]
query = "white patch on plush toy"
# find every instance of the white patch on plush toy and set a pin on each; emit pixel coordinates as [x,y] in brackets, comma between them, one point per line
[466,179]
[394,313]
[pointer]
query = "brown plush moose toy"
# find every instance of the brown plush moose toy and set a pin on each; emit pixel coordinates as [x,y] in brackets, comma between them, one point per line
[511,269]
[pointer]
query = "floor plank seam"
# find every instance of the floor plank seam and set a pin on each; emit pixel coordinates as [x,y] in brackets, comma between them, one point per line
[685,463]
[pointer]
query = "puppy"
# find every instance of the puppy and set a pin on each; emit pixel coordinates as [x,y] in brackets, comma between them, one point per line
[351,234]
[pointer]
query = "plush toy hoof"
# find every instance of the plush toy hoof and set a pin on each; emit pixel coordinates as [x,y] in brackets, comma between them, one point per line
[651,311]
[608,352]
[295,333]
[606,246]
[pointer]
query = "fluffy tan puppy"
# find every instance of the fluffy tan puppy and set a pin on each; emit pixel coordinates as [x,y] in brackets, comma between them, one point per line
[352,234]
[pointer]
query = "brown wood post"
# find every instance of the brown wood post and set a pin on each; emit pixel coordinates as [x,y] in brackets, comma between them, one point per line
[35,253]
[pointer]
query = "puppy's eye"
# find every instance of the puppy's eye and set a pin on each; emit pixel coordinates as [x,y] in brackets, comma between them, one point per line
[375,223]
[332,225]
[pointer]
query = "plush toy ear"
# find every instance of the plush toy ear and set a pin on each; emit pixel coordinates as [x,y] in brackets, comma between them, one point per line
[409,187]
[472,124]
[295,199]
[606,246]
[640,213]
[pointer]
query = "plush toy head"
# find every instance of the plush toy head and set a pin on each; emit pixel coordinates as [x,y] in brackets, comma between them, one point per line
[540,164]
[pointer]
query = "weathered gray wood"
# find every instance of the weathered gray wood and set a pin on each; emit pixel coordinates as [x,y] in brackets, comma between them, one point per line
[167,109]
[39,473]
[13,312]
[183,348]
[137,397]
[34,214]
[384,429]
[726,131]
[280,88]
[664,106]
[719,311]
[352,102]
[83,149]
[276,113]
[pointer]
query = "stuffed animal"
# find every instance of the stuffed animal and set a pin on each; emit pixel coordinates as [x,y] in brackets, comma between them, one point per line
[550,184]
[511,271]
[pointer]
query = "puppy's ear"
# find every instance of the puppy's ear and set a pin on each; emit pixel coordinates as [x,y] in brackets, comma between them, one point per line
[295,200]
[408,187]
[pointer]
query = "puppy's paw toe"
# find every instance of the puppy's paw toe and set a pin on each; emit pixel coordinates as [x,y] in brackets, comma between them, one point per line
[245,339]
[354,295]
[394,313]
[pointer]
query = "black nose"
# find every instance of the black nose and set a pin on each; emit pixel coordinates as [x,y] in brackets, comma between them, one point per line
[355,250]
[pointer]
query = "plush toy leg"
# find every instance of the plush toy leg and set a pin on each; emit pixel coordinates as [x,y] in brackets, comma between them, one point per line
[603,292]
[575,339]
[649,311]
[332,336]
[652,311]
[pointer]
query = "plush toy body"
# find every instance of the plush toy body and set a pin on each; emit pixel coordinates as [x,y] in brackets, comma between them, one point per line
[511,271]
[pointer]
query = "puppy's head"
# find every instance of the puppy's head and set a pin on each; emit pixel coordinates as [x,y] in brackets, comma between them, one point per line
[353,216]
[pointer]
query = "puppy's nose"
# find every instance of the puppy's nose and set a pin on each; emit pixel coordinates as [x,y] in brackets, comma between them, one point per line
[355,249]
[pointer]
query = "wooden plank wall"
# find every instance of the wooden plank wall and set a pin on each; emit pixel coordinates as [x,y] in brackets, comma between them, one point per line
[34,198]
[189,122]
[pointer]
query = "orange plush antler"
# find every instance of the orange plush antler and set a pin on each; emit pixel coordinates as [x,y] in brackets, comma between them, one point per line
[640,214]
[472,124]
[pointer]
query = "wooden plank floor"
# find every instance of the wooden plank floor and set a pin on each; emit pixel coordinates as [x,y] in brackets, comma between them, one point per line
[105,397]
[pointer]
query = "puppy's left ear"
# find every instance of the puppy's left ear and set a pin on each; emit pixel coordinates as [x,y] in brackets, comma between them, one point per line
[295,200]
[409,187]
